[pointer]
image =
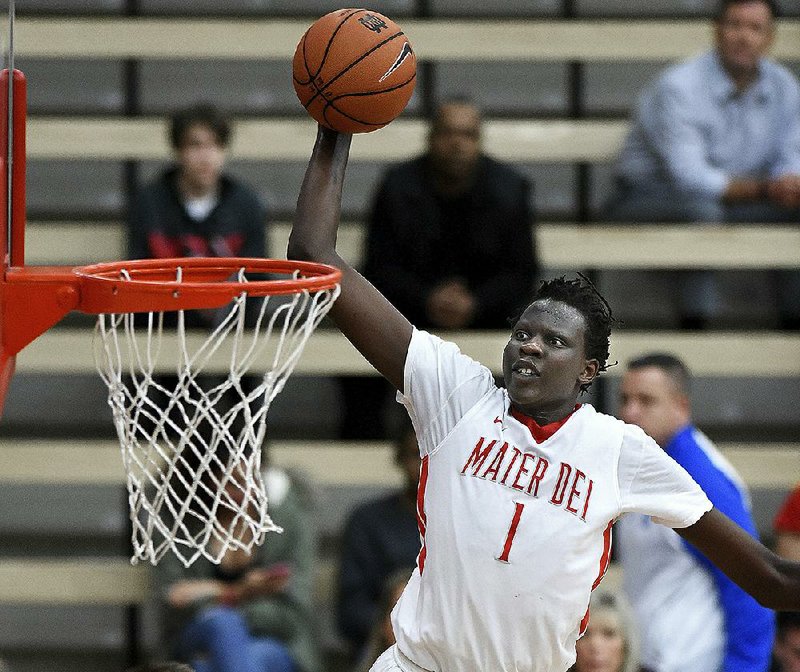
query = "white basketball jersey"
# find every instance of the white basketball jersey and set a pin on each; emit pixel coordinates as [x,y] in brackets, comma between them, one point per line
[516,533]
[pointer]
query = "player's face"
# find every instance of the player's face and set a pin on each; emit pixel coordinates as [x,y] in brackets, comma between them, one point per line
[744,34]
[602,647]
[545,363]
[455,140]
[787,650]
[650,399]
[201,158]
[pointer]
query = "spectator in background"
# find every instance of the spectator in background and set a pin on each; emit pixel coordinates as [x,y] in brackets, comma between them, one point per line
[610,643]
[787,643]
[380,537]
[193,208]
[382,635]
[250,613]
[787,526]
[717,139]
[692,617]
[449,242]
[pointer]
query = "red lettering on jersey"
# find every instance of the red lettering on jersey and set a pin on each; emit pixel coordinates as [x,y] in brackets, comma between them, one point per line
[574,492]
[586,503]
[538,474]
[521,471]
[496,463]
[561,485]
[517,453]
[478,456]
[512,531]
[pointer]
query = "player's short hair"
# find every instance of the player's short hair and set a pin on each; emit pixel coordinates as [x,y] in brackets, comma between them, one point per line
[724,4]
[671,365]
[583,296]
[204,114]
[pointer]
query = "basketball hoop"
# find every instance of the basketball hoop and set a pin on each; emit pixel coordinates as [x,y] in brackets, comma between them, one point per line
[191,442]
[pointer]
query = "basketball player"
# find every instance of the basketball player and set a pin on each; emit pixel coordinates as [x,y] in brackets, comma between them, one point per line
[519,486]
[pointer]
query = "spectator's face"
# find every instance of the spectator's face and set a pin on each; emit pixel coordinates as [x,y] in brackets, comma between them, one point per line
[787,650]
[650,399]
[602,647]
[201,158]
[744,34]
[455,140]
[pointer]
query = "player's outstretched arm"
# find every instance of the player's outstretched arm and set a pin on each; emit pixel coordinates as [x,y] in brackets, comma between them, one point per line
[770,579]
[375,327]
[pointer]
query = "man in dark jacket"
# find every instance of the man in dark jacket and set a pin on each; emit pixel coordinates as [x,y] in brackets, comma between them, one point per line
[449,242]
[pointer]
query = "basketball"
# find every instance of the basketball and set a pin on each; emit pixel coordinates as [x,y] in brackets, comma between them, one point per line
[354,70]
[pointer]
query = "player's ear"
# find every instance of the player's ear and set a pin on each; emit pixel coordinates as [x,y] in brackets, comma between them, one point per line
[591,367]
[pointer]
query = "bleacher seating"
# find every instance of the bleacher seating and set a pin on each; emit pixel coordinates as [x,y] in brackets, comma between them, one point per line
[556,78]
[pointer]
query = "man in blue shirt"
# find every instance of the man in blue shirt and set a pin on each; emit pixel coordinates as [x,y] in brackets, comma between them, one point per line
[717,139]
[692,617]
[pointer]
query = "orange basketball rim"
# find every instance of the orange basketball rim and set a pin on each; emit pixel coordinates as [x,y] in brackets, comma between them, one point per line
[34,298]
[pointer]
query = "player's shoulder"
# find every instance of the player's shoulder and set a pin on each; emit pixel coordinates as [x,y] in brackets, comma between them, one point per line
[630,436]
[445,360]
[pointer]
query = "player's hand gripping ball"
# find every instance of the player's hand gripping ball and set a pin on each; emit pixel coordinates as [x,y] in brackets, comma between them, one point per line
[354,70]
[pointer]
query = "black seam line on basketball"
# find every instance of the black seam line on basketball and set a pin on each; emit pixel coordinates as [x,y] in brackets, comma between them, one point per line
[352,65]
[352,118]
[327,47]
[374,93]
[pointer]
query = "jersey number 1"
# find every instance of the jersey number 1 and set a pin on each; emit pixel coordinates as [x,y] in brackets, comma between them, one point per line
[512,530]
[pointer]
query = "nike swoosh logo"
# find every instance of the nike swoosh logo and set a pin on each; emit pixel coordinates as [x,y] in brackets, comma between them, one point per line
[498,420]
[405,52]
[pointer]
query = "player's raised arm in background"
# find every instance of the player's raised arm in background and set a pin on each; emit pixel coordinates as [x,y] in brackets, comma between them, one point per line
[374,326]
[770,579]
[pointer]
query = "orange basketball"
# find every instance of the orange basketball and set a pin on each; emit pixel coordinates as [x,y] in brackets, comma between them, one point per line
[354,70]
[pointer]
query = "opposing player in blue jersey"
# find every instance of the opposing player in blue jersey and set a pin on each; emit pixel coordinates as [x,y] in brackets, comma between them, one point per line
[519,485]
[692,617]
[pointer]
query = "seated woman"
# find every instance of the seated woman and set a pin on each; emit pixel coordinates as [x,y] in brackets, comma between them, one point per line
[610,642]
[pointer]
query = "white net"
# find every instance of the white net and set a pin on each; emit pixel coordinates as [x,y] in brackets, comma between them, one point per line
[192,430]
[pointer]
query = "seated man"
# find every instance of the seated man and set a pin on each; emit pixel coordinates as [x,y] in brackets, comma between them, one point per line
[717,139]
[449,242]
[380,538]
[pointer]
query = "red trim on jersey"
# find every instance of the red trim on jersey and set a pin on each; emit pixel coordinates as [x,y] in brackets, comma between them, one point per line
[539,432]
[605,559]
[422,519]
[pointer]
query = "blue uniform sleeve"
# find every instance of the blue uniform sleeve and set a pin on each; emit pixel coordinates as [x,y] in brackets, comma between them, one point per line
[749,627]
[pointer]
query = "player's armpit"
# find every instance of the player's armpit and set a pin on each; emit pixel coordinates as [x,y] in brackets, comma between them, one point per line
[770,579]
